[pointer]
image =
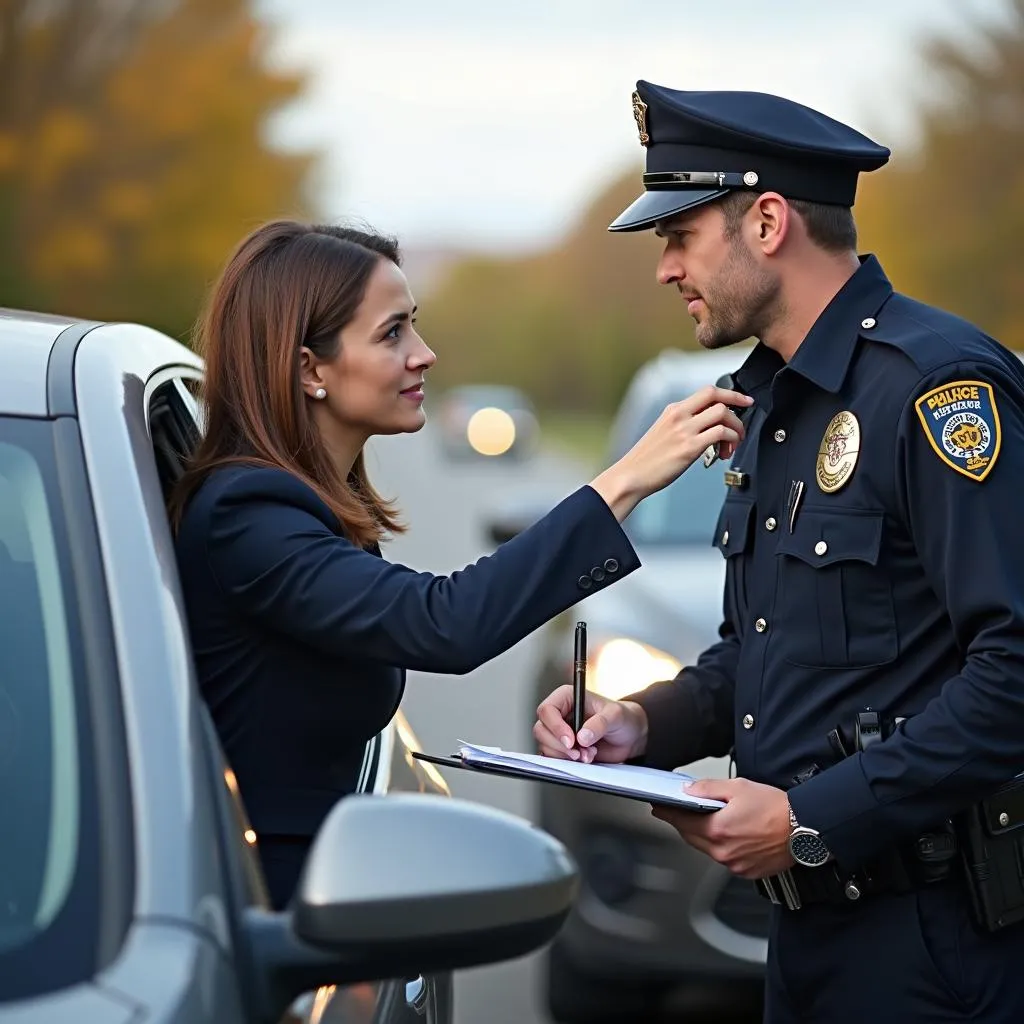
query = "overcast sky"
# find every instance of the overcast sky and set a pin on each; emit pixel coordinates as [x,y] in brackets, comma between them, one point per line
[491,125]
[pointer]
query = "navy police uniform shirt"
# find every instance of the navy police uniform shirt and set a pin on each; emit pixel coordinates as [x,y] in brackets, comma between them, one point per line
[874,560]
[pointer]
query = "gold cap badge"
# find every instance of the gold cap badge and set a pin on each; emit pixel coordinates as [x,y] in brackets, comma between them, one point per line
[838,452]
[640,113]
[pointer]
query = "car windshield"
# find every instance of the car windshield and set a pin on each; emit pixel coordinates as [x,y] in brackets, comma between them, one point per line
[48,881]
[685,512]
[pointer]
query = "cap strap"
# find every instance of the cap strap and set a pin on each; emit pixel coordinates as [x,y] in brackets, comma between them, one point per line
[686,179]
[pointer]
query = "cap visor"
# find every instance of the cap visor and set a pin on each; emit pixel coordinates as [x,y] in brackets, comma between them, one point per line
[657,204]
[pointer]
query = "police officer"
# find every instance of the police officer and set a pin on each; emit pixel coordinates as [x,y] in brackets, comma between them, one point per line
[869,676]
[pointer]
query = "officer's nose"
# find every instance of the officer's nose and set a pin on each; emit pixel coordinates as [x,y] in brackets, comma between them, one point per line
[670,268]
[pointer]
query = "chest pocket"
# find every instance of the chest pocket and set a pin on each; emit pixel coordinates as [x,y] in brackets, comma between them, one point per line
[732,538]
[835,604]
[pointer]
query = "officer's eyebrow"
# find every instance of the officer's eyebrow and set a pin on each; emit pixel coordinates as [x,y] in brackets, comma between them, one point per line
[398,317]
[671,227]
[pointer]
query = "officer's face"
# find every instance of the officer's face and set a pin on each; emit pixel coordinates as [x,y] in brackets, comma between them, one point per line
[374,383]
[729,294]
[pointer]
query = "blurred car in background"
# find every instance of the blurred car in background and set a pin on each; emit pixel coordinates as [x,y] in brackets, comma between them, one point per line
[487,421]
[656,922]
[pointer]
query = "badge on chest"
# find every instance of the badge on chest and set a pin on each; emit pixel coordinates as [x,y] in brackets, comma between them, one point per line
[838,452]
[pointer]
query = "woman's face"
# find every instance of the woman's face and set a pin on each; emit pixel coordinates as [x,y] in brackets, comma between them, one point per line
[375,383]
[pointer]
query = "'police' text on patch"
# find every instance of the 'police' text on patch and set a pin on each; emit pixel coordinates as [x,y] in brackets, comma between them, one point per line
[962,425]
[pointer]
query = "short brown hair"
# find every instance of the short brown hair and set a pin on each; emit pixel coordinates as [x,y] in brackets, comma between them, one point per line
[830,227]
[286,285]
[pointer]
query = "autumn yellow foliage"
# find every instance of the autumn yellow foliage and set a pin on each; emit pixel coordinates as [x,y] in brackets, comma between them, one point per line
[133,152]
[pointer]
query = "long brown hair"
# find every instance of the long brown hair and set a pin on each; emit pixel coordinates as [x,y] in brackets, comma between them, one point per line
[286,285]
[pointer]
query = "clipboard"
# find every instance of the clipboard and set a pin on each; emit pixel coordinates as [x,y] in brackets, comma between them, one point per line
[697,805]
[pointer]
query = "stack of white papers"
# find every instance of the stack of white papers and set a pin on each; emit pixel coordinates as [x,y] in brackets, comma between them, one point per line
[659,787]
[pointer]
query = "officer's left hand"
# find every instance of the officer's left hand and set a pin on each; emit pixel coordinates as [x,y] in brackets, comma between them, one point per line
[749,836]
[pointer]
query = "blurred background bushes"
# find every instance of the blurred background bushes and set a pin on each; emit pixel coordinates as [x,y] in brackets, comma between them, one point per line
[134,154]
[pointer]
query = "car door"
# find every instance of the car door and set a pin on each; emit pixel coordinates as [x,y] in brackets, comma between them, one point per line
[176,422]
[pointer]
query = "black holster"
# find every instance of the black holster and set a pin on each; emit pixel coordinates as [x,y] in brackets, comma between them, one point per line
[991,834]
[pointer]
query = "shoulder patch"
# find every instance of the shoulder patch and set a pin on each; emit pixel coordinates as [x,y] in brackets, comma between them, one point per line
[961,423]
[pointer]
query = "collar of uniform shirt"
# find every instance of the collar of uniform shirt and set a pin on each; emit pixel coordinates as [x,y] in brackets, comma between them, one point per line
[825,354]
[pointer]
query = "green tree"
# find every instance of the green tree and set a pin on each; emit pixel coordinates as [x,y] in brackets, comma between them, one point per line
[133,152]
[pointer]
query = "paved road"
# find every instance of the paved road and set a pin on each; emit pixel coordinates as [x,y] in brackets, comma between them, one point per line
[445,505]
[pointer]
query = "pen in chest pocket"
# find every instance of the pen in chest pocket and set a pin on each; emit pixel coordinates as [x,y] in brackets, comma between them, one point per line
[796,493]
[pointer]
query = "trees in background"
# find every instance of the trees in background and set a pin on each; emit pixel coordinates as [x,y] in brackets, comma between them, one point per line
[133,152]
[572,325]
[948,219]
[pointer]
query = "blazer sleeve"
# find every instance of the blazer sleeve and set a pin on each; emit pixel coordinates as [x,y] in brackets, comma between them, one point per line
[273,552]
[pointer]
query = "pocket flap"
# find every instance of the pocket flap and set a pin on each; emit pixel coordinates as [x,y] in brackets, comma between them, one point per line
[733,528]
[822,537]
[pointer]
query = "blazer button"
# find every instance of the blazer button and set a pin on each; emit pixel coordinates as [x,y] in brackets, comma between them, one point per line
[584,582]
[597,574]
[611,565]
[761,625]
[748,721]
[770,523]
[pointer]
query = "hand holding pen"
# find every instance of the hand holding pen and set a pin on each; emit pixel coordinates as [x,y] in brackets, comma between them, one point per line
[610,731]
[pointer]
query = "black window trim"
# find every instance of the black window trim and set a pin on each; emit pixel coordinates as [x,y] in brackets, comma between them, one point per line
[109,748]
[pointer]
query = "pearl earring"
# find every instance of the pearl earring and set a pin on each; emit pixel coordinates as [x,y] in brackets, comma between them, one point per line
[320,393]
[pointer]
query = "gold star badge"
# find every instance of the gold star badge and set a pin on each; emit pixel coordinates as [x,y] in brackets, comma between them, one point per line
[640,113]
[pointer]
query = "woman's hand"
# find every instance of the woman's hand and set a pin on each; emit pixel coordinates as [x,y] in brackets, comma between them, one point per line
[613,731]
[672,444]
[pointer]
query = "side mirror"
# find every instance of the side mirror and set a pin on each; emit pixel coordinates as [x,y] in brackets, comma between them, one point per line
[409,884]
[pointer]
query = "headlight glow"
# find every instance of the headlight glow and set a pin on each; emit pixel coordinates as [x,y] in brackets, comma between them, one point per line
[623,666]
[491,431]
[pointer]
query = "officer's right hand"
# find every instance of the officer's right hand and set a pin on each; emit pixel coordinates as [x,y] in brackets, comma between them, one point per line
[612,732]
[671,445]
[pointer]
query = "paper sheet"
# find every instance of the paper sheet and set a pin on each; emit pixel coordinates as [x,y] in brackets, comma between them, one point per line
[650,783]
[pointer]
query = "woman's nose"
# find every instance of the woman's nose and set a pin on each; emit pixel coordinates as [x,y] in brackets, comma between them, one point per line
[423,356]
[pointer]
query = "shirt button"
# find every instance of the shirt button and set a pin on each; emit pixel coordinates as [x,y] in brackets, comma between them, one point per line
[611,565]
[584,583]
[761,625]
[748,721]
[867,323]
[597,574]
[820,548]
[770,523]
[780,436]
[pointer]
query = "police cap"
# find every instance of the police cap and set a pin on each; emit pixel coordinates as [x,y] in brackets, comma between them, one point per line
[701,145]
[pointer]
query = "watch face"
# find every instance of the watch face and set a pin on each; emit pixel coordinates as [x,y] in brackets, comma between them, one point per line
[808,849]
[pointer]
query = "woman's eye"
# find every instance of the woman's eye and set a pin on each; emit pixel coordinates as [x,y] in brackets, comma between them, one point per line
[394,332]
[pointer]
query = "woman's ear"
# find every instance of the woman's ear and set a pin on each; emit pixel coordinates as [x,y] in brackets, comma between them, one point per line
[309,371]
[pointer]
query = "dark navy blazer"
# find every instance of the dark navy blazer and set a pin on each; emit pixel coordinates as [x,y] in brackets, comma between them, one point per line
[895,581]
[302,639]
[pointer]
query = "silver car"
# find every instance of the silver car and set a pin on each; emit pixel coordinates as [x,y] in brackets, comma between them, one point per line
[130,889]
[657,924]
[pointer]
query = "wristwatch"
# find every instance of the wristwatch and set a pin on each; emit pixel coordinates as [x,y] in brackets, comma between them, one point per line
[806,846]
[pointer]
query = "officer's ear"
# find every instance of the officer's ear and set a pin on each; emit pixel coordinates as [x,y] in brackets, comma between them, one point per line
[772,222]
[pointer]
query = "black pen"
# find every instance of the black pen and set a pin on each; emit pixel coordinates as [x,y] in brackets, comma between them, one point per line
[579,678]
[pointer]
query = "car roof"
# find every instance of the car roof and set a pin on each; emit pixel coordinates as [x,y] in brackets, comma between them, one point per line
[26,341]
[671,375]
